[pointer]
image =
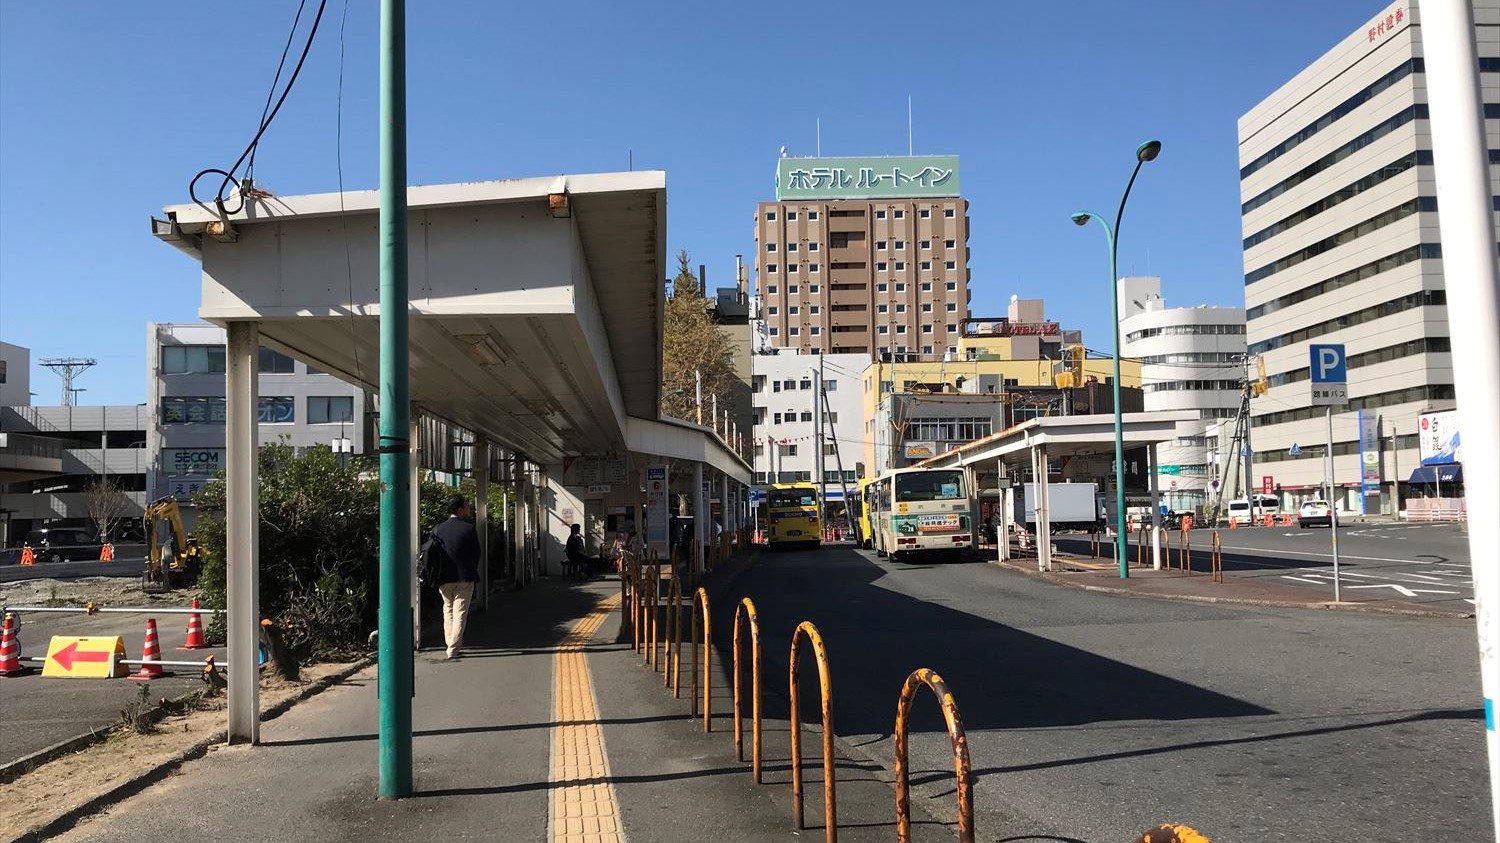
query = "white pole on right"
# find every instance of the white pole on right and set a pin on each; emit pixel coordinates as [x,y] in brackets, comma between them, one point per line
[1466,223]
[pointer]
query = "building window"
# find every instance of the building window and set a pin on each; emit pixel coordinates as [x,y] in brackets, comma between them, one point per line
[792,310]
[814,289]
[926,329]
[900,214]
[880,266]
[791,289]
[926,286]
[193,410]
[880,288]
[900,245]
[951,285]
[776,418]
[815,309]
[330,409]
[770,216]
[880,245]
[789,384]
[900,308]
[926,245]
[276,363]
[901,329]
[806,384]
[924,213]
[807,415]
[812,215]
[791,267]
[952,307]
[771,290]
[951,264]
[949,244]
[812,267]
[900,265]
[789,451]
[793,331]
[926,349]
[948,212]
[831,385]
[882,308]
[771,310]
[901,287]
[883,329]
[880,215]
[812,247]
[775,331]
[770,247]
[952,349]
[770,268]
[277,409]
[829,449]
[791,247]
[192,359]
[775,386]
[952,328]
[926,307]
[815,330]
[791,216]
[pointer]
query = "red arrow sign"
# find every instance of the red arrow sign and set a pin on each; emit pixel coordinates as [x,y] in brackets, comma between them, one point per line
[69,654]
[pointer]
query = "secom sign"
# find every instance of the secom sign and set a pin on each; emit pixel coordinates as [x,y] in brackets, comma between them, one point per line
[192,460]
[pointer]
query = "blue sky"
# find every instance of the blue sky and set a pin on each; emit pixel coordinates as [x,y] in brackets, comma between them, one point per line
[107,109]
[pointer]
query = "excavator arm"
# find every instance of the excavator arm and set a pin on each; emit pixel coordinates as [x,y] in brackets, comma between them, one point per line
[184,563]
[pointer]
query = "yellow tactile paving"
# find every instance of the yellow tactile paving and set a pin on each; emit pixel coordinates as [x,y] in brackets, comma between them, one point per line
[583,804]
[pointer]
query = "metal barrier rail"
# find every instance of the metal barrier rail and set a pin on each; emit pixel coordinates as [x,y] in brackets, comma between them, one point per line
[1185,549]
[91,609]
[1140,546]
[672,676]
[746,608]
[825,687]
[961,768]
[1216,557]
[1166,544]
[651,597]
[700,599]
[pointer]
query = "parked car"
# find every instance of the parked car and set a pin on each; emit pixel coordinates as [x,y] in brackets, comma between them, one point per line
[1314,513]
[62,544]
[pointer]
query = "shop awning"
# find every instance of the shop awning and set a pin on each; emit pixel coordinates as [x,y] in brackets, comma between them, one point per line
[1434,474]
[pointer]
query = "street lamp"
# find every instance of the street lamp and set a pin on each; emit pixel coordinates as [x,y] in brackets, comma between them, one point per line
[1143,153]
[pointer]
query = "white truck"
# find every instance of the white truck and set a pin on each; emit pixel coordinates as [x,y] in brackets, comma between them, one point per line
[1072,506]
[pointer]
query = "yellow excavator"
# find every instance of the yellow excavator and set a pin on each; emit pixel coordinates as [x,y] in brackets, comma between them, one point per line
[168,564]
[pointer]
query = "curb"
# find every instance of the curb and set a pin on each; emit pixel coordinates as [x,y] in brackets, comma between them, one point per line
[140,780]
[1239,601]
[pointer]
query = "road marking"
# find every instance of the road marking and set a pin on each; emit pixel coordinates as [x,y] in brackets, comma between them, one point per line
[1409,592]
[1326,555]
[1302,579]
[582,800]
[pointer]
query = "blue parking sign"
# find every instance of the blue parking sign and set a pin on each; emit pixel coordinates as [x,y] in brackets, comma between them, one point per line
[1328,364]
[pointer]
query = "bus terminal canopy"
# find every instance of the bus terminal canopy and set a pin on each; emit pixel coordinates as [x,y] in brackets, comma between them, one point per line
[536,304]
[1063,436]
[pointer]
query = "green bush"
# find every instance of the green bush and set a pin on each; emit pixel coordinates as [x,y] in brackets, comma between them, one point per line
[319,545]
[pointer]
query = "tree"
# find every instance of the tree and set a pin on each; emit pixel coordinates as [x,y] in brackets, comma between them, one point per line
[693,343]
[106,505]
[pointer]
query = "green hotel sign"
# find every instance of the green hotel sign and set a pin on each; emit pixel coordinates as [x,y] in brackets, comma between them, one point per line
[920,177]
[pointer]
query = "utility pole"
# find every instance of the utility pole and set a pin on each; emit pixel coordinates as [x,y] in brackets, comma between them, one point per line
[838,459]
[1247,453]
[818,440]
[396,661]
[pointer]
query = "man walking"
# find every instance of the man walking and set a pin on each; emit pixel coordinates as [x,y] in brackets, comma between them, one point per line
[458,542]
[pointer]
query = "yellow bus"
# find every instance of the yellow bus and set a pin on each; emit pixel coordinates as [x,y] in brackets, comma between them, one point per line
[867,491]
[792,516]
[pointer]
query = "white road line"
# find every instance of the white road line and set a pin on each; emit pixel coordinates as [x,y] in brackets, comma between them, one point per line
[1409,592]
[1303,579]
[1327,555]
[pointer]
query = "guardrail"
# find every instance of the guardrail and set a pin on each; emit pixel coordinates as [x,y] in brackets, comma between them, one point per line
[1216,557]
[746,608]
[1185,548]
[92,609]
[700,604]
[961,768]
[825,689]
[672,676]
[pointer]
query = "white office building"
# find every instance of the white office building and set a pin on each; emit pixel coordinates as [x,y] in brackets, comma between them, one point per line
[1192,358]
[1341,246]
[784,430]
[185,400]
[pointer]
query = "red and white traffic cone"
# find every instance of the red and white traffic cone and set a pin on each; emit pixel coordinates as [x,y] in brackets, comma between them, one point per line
[150,652]
[195,638]
[10,648]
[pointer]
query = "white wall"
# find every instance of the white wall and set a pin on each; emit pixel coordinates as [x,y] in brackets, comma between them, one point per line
[15,390]
[842,375]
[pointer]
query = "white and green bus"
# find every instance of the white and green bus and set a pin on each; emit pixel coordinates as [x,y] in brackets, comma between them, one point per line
[922,512]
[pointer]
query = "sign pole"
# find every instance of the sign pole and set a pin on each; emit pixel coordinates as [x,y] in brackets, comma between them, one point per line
[1333,509]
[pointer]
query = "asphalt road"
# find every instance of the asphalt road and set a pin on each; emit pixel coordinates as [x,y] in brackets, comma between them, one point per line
[37,712]
[1091,717]
[124,566]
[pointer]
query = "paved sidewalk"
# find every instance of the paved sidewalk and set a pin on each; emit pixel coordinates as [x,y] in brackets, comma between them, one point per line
[548,729]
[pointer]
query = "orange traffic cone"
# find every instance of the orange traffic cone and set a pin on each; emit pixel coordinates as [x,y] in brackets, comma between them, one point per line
[28,556]
[1234,524]
[150,652]
[195,639]
[10,648]
[107,553]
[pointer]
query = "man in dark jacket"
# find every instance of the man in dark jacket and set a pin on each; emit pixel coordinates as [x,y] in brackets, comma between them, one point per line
[458,543]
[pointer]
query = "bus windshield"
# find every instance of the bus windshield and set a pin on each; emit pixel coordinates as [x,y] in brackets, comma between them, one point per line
[930,486]
[792,498]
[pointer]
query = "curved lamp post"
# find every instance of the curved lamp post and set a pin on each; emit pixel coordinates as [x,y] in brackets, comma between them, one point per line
[1145,152]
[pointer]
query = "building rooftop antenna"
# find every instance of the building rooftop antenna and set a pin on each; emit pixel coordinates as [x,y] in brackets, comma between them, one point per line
[69,368]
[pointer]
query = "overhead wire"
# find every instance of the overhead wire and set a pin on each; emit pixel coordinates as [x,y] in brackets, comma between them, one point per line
[286,50]
[338,134]
[265,123]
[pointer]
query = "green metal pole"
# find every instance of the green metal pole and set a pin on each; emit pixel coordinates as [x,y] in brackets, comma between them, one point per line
[396,658]
[1114,297]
